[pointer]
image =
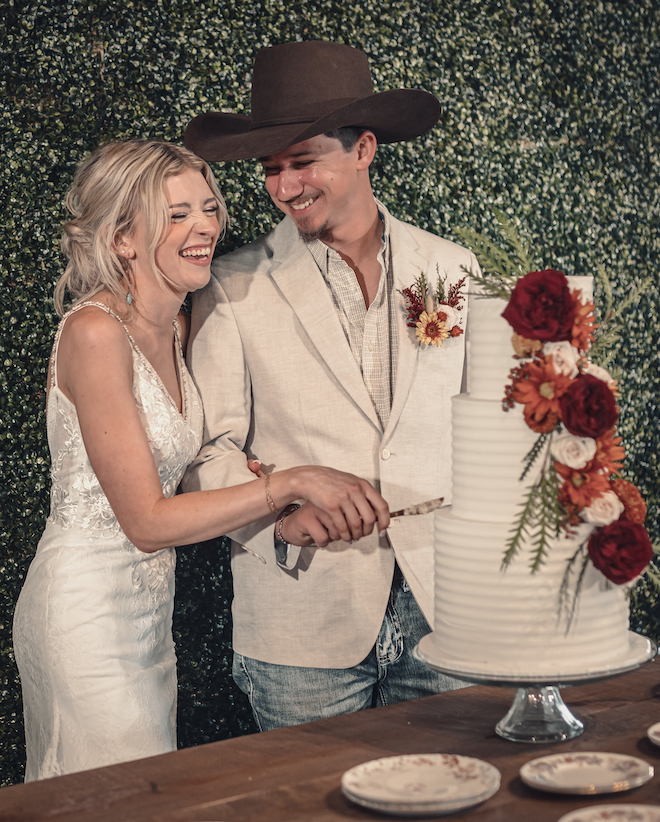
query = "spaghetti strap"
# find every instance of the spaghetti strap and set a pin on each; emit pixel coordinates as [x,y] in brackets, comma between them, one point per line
[56,344]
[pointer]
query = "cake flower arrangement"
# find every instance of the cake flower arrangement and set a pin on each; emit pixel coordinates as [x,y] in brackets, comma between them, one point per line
[571,403]
[435,314]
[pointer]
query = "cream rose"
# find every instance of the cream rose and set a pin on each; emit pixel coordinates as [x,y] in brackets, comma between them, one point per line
[451,313]
[603,510]
[564,357]
[575,452]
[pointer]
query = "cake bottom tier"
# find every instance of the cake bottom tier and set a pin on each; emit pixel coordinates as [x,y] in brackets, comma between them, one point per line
[490,620]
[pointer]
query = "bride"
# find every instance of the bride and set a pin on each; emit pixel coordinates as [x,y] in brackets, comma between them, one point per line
[92,628]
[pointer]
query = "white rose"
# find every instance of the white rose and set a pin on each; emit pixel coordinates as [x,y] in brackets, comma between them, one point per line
[575,452]
[597,371]
[564,357]
[603,510]
[451,313]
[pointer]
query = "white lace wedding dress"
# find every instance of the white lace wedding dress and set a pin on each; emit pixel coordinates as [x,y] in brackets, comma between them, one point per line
[93,623]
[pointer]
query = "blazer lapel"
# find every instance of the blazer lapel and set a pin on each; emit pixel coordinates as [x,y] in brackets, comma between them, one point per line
[302,285]
[407,264]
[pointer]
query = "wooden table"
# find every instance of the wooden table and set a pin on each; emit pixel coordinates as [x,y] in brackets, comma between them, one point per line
[293,774]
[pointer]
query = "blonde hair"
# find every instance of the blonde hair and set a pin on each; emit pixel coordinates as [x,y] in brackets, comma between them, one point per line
[115,185]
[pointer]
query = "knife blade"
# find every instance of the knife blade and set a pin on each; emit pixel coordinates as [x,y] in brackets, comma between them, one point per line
[420,508]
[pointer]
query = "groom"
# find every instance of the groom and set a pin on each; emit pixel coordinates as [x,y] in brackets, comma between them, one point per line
[302,353]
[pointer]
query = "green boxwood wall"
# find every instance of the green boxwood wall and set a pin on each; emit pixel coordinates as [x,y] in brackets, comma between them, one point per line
[551,113]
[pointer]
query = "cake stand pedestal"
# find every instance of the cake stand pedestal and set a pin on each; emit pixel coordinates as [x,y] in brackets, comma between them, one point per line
[538,713]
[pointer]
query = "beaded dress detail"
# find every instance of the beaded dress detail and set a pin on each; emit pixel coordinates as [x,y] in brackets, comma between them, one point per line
[93,623]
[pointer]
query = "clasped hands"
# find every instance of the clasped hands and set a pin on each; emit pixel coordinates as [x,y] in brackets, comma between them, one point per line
[338,506]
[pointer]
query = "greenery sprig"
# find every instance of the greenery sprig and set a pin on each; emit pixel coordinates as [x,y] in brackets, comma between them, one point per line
[568,602]
[610,318]
[530,457]
[540,518]
[500,270]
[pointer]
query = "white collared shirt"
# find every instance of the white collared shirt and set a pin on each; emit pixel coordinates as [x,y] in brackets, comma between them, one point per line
[371,331]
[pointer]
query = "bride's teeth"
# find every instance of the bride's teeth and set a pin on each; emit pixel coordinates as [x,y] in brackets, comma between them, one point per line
[303,205]
[195,252]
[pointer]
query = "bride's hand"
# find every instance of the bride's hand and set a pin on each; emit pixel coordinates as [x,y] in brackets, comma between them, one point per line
[255,467]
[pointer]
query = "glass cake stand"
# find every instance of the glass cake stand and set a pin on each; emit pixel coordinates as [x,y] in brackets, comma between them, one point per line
[538,713]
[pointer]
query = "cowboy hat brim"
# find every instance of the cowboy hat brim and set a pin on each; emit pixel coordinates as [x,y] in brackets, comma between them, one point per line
[399,114]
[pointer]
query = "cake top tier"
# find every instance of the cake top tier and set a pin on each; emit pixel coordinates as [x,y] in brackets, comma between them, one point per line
[488,341]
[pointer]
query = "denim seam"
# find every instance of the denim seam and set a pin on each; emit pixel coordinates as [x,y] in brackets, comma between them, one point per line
[250,694]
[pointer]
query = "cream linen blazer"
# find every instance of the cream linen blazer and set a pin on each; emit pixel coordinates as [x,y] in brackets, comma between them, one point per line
[279,383]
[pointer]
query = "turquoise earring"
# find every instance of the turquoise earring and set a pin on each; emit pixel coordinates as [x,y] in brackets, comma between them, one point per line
[129,297]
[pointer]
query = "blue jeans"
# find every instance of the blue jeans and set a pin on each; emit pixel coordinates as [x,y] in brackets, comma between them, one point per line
[282,695]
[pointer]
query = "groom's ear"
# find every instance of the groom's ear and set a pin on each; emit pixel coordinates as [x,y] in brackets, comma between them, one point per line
[366,149]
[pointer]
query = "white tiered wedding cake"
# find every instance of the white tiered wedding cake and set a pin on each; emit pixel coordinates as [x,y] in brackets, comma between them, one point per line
[498,622]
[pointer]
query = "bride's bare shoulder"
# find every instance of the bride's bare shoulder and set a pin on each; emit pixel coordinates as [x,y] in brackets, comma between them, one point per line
[93,325]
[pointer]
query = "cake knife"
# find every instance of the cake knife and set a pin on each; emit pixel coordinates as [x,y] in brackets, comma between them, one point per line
[420,508]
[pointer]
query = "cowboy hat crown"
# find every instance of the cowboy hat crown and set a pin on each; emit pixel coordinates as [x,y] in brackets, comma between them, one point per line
[301,90]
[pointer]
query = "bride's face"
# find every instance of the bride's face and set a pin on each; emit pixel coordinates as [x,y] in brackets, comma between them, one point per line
[185,254]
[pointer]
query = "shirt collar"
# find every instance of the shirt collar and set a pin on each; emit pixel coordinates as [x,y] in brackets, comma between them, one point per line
[322,253]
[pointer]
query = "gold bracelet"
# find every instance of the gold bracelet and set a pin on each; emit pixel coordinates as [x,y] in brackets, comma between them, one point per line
[290,509]
[269,499]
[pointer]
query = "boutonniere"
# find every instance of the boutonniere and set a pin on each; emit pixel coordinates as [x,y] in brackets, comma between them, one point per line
[434,313]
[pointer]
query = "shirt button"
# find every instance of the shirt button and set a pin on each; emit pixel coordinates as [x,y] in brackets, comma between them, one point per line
[385,453]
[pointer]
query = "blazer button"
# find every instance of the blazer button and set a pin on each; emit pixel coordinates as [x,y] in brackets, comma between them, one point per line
[385,453]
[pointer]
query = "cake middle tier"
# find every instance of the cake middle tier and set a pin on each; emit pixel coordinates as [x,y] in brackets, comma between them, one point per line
[489,447]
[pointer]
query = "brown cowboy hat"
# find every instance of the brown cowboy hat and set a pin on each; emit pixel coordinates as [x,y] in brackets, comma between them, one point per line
[300,90]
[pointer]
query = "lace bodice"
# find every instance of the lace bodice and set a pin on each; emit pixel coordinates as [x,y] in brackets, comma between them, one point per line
[77,499]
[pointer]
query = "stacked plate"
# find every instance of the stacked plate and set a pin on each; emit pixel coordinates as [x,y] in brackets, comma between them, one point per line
[421,784]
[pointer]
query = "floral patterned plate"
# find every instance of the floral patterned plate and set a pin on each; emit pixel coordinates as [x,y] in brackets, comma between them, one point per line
[586,772]
[653,733]
[614,813]
[421,784]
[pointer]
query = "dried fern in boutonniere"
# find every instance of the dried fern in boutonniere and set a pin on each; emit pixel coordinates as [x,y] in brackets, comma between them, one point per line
[434,313]
[569,399]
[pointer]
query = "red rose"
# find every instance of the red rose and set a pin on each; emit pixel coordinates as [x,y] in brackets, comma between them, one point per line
[587,407]
[541,307]
[620,550]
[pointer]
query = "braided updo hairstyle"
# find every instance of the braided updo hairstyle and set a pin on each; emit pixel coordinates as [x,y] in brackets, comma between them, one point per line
[115,185]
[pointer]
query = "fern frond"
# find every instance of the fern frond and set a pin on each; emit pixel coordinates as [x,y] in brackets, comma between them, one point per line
[522,252]
[548,517]
[564,606]
[500,269]
[611,324]
[492,259]
[499,287]
[532,454]
[606,302]
[524,523]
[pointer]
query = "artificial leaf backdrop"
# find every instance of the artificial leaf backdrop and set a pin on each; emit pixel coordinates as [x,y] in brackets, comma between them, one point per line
[551,112]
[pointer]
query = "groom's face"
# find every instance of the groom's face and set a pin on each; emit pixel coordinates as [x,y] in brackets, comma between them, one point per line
[314,183]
